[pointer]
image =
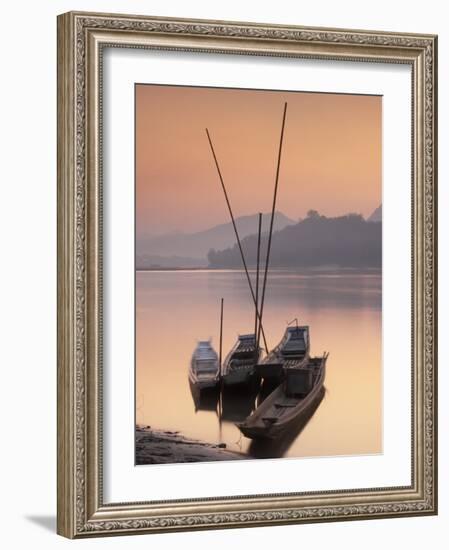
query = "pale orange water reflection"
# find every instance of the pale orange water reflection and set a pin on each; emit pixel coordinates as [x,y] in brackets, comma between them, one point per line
[343,309]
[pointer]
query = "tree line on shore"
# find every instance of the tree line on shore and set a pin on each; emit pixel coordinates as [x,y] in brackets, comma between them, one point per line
[344,241]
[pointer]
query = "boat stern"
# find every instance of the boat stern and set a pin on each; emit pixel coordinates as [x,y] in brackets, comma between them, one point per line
[254,431]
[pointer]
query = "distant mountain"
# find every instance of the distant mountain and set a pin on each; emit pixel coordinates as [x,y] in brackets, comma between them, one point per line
[197,245]
[376,216]
[345,241]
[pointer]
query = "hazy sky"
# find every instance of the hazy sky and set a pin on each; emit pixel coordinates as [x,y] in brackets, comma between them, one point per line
[331,159]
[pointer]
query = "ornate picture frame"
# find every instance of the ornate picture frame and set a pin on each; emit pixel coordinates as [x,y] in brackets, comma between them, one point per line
[82,39]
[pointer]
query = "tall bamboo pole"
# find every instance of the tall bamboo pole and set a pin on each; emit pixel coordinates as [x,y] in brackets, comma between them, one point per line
[267,261]
[221,337]
[259,232]
[260,329]
[220,363]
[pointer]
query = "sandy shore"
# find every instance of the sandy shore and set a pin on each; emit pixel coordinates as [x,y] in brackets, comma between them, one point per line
[166,447]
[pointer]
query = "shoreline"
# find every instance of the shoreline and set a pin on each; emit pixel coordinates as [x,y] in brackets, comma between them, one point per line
[170,447]
[313,270]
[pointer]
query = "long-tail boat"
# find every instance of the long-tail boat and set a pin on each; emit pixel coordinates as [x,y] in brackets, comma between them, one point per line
[204,371]
[291,352]
[289,403]
[239,366]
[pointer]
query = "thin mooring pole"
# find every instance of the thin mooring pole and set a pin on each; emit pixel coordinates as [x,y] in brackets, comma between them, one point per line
[257,283]
[267,262]
[221,337]
[220,394]
[238,242]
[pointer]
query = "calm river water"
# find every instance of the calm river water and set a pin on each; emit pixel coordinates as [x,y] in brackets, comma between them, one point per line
[175,309]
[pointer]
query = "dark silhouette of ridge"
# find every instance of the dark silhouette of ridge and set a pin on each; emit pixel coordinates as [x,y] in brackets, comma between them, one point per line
[344,241]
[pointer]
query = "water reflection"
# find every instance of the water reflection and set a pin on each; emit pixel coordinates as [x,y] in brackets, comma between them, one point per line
[343,309]
[206,399]
[237,404]
[234,405]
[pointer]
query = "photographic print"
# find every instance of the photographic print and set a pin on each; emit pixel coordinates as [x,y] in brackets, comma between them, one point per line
[258,274]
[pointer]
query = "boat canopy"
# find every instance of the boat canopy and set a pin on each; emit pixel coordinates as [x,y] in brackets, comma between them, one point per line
[295,340]
[245,344]
[245,337]
[205,352]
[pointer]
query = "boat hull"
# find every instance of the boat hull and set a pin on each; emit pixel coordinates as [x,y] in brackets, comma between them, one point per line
[239,366]
[204,370]
[275,432]
[255,428]
[244,377]
[271,374]
[202,386]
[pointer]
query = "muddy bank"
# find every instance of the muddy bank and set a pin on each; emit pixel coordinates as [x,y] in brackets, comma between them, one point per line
[166,447]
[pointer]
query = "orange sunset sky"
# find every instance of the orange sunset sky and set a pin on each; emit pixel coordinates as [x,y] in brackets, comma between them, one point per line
[331,158]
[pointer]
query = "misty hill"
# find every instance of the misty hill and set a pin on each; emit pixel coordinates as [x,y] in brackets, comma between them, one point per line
[195,246]
[376,216]
[345,241]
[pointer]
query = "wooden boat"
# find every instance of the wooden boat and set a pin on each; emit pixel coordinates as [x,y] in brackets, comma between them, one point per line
[289,403]
[277,448]
[239,366]
[292,352]
[204,371]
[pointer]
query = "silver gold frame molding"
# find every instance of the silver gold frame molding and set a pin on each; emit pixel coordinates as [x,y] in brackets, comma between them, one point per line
[81,39]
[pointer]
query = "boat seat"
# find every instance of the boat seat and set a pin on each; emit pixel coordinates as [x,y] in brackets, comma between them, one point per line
[285,405]
[299,395]
[270,419]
